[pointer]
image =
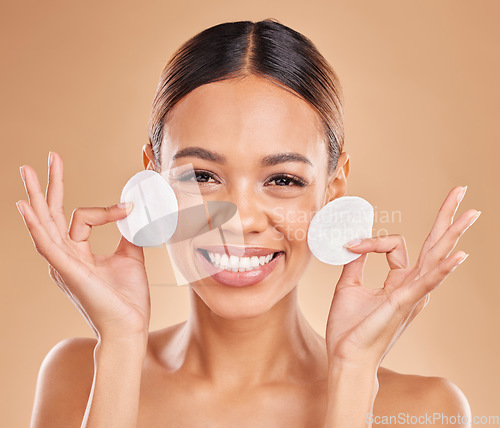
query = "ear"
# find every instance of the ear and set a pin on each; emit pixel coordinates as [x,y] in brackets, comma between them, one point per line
[148,158]
[337,182]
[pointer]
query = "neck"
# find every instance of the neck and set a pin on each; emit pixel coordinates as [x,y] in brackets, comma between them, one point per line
[277,346]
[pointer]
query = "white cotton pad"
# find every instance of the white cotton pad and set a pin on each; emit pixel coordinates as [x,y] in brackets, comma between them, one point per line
[342,220]
[153,219]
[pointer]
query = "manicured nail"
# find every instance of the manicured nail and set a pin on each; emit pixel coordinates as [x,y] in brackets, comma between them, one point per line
[20,208]
[50,158]
[21,170]
[462,259]
[461,194]
[353,243]
[127,205]
[473,219]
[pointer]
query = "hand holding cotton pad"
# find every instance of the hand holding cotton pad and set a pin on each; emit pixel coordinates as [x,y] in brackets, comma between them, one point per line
[153,219]
[337,223]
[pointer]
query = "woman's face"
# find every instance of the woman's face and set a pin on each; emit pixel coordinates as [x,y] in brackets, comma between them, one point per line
[263,149]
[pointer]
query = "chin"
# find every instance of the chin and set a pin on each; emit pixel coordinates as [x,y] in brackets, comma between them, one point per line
[236,305]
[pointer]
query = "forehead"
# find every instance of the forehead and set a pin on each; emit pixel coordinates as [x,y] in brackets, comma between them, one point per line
[236,114]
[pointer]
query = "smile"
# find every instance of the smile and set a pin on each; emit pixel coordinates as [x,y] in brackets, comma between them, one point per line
[250,266]
[235,263]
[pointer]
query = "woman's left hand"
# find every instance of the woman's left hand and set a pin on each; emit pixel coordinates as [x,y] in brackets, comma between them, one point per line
[363,324]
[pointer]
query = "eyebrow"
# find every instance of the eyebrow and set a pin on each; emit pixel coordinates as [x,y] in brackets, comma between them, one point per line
[201,153]
[270,160]
[278,158]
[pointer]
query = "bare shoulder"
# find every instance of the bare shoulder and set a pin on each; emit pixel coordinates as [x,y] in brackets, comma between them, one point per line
[66,375]
[64,384]
[407,395]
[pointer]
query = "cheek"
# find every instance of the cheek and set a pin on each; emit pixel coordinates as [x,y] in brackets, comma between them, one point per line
[292,219]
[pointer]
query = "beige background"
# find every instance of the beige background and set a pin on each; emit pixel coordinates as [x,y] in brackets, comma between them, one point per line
[420,80]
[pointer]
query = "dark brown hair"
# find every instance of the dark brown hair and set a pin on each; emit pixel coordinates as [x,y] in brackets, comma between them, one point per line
[266,48]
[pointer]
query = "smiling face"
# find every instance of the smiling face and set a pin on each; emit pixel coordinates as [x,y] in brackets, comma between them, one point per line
[262,148]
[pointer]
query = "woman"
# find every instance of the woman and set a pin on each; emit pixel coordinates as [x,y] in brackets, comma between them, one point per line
[257,111]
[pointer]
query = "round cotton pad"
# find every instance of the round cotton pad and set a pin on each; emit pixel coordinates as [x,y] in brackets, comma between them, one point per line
[338,222]
[153,219]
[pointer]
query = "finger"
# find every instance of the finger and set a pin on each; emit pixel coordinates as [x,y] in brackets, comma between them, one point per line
[393,245]
[44,245]
[74,271]
[352,273]
[54,193]
[395,310]
[416,289]
[84,218]
[128,249]
[443,220]
[445,245]
[39,204]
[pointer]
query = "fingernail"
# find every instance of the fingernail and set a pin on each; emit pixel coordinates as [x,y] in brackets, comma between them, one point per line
[21,170]
[473,219]
[353,243]
[20,208]
[127,205]
[50,159]
[461,194]
[462,259]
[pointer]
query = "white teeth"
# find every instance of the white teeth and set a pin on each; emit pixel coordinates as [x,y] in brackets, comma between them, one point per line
[244,264]
[233,262]
[224,261]
[238,264]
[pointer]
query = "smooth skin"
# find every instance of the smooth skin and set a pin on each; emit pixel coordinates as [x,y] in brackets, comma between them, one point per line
[246,357]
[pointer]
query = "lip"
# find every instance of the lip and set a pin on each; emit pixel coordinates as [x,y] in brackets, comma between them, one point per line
[241,279]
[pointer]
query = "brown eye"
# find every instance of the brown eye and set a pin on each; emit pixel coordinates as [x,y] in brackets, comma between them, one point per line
[287,180]
[203,177]
[199,176]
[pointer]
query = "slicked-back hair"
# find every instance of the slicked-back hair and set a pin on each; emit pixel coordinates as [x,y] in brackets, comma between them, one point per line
[265,48]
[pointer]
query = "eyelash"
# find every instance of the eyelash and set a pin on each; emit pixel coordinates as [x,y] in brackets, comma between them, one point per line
[296,180]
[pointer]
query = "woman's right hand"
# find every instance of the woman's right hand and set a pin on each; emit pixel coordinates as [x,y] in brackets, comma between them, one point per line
[111,291]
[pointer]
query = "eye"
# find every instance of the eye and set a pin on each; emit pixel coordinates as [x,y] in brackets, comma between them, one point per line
[199,176]
[207,177]
[287,180]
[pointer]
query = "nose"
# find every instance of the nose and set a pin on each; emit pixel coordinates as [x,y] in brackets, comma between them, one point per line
[251,215]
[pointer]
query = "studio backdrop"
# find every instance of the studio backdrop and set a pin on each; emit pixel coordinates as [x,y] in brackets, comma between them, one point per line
[420,82]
